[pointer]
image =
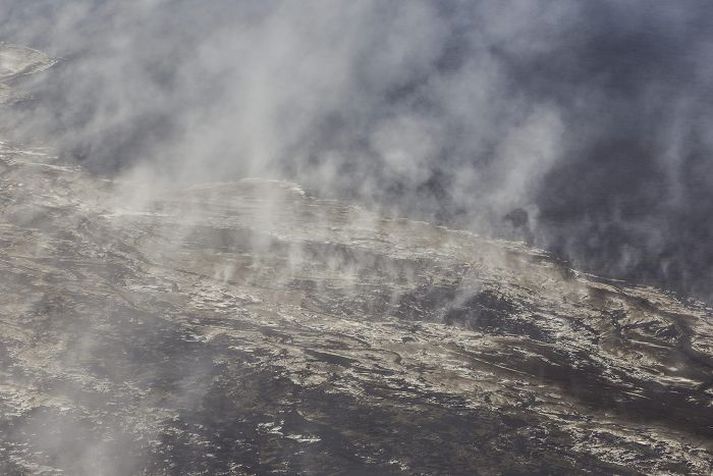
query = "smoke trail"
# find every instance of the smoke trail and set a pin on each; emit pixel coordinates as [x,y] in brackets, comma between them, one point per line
[583,127]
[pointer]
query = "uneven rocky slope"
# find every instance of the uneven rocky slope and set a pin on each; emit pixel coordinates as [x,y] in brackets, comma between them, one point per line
[248,328]
[17,63]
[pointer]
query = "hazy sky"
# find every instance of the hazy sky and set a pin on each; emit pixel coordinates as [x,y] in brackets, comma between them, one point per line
[594,117]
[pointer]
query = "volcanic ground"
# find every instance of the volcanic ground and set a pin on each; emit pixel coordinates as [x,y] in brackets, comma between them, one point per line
[251,328]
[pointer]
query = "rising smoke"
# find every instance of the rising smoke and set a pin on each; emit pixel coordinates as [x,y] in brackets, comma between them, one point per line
[580,126]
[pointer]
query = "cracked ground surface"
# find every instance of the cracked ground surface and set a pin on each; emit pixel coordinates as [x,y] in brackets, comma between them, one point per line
[249,328]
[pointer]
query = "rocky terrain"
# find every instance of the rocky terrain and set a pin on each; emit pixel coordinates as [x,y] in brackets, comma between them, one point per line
[250,328]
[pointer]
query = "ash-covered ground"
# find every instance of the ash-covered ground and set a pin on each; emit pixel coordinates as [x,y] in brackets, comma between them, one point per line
[250,328]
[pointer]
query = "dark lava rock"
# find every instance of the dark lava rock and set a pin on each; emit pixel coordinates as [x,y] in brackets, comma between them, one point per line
[247,328]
